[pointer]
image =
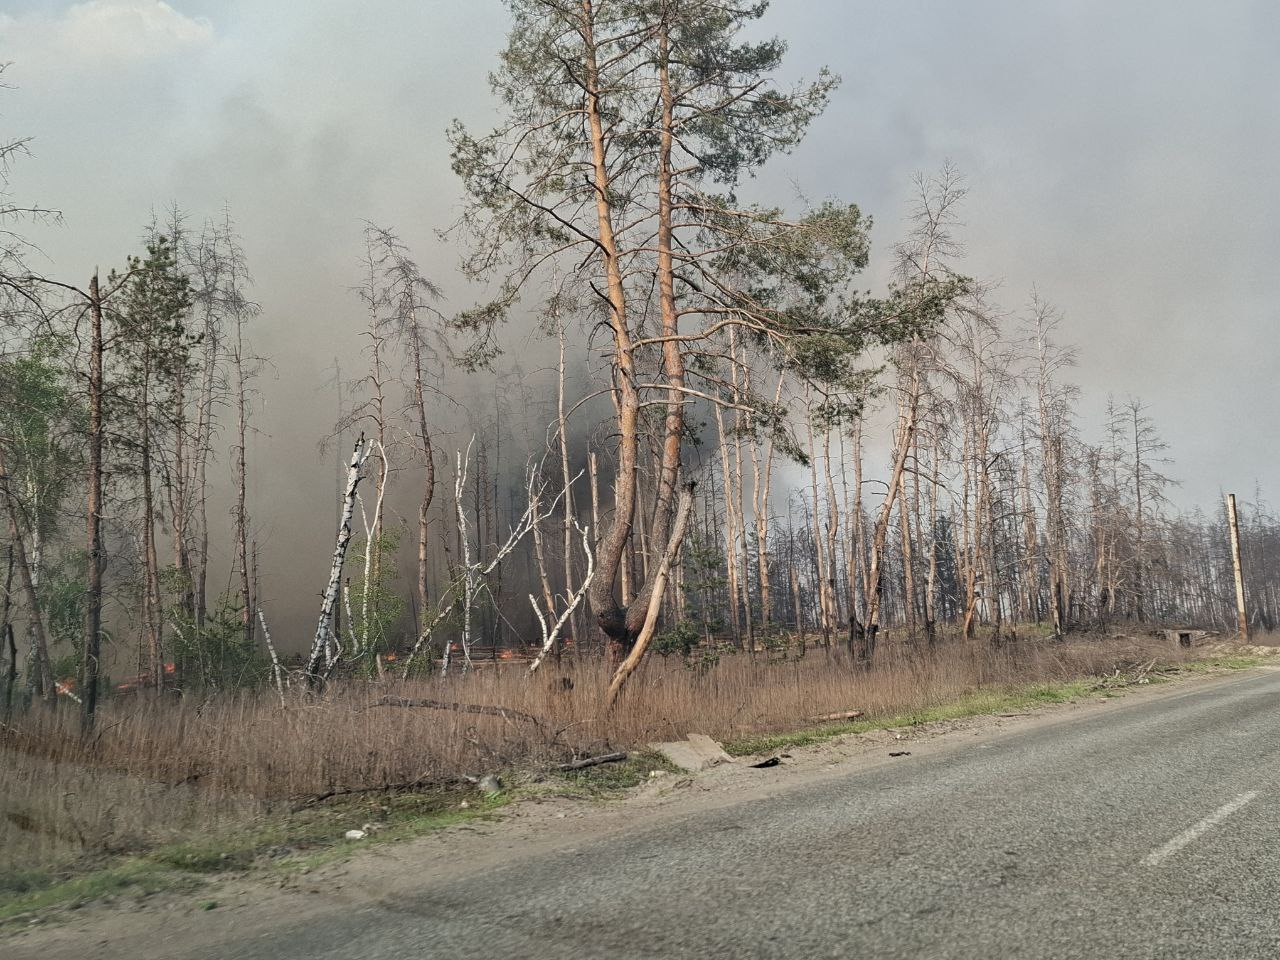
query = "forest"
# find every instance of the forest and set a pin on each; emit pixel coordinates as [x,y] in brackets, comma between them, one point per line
[741,468]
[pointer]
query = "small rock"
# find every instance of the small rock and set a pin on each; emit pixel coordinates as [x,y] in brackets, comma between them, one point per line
[355,834]
[464,805]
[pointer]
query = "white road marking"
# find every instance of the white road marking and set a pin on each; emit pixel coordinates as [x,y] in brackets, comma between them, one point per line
[1199,829]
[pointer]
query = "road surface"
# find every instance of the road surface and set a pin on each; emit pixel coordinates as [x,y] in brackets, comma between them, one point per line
[1144,828]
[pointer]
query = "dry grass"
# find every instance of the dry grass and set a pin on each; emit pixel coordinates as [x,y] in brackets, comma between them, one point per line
[159,769]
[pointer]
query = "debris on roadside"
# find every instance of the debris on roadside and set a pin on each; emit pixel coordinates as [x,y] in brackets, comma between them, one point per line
[1139,674]
[765,764]
[842,715]
[585,762]
[694,754]
[899,753]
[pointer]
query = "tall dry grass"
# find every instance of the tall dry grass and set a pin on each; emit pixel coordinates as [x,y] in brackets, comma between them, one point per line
[163,765]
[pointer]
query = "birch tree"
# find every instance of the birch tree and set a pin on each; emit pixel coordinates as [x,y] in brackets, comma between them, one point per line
[1054,402]
[407,298]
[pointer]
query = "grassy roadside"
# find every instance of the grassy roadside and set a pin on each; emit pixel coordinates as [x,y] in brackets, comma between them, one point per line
[988,702]
[278,848]
[289,844]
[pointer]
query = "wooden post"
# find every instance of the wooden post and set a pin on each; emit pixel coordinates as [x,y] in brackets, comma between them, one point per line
[1233,520]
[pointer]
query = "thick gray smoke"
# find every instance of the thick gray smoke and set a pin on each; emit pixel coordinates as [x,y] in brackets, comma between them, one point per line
[1116,156]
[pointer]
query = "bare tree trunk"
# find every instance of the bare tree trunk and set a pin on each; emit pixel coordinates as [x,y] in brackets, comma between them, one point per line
[152,616]
[641,644]
[612,618]
[594,471]
[6,635]
[573,599]
[918,532]
[730,538]
[180,498]
[566,529]
[967,535]
[89,667]
[241,509]
[820,560]
[740,510]
[908,559]
[1031,548]
[627,573]
[931,587]
[324,628]
[832,530]
[760,507]
[1242,618]
[795,581]
[203,451]
[43,671]
[1140,542]
[880,533]
[857,569]
[539,555]
[673,371]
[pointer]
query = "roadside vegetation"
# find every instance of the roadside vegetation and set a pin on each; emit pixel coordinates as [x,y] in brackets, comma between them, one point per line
[171,791]
[683,473]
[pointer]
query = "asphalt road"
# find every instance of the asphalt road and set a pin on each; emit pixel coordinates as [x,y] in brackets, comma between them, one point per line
[1142,829]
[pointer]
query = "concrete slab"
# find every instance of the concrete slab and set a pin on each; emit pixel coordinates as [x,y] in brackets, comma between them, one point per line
[1186,637]
[698,752]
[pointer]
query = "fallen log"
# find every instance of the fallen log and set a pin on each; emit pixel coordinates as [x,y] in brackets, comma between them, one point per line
[505,712]
[302,801]
[843,715]
[591,761]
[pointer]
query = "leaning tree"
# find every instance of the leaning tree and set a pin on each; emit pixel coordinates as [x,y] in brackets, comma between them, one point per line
[628,129]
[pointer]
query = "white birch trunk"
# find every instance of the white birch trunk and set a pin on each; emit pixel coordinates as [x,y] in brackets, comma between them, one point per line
[550,636]
[324,628]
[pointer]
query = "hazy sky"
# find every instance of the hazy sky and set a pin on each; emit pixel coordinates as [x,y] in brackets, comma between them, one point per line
[1121,156]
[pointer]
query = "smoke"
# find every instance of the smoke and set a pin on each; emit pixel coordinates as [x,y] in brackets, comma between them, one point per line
[1115,155]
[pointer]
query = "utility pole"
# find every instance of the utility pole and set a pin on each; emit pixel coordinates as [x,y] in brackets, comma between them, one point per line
[1234,520]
